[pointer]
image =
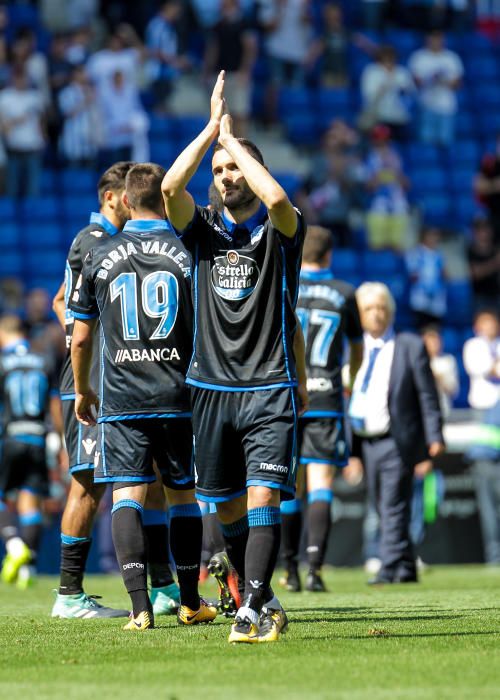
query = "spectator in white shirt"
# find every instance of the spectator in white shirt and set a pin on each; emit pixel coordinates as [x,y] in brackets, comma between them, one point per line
[80,130]
[22,110]
[438,73]
[444,368]
[165,61]
[124,124]
[386,89]
[482,361]
[426,269]
[103,65]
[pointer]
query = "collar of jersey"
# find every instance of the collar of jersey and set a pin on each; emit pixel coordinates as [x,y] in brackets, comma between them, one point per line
[13,347]
[250,224]
[146,225]
[98,218]
[315,275]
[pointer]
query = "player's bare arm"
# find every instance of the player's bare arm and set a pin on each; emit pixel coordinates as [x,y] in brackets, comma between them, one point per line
[59,305]
[281,211]
[81,360]
[299,352]
[179,204]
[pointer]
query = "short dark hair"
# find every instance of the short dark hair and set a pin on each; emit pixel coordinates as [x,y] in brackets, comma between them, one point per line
[317,243]
[143,186]
[113,179]
[247,145]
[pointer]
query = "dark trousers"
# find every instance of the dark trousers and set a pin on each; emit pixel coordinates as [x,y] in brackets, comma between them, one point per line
[487,478]
[389,484]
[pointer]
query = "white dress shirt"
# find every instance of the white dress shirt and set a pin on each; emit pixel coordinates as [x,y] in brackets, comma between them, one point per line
[482,364]
[369,407]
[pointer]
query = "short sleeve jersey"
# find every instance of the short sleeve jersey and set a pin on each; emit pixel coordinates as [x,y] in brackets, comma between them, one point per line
[98,230]
[27,381]
[245,285]
[138,284]
[328,314]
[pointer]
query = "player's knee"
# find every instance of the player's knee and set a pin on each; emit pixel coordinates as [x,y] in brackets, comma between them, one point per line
[262,496]
[177,497]
[230,511]
[84,490]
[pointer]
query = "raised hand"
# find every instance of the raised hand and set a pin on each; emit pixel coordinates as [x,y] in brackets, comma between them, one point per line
[226,127]
[217,103]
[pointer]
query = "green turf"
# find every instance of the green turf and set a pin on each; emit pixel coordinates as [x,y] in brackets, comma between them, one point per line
[439,639]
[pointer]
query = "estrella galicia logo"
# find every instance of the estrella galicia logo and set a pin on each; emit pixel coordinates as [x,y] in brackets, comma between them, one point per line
[234,276]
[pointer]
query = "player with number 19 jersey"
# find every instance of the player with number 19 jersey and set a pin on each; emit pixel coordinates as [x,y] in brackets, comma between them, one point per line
[136,284]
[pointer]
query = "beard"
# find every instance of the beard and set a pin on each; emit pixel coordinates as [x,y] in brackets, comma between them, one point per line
[238,199]
[122,213]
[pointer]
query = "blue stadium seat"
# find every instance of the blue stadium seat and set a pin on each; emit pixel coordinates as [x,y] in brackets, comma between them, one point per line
[436,207]
[420,154]
[7,208]
[10,237]
[489,123]
[164,150]
[464,153]
[289,181]
[466,125]
[162,127]
[74,180]
[486,94]
[295,101]
[42,235]
[452,340]
[50,283]
[428,179]
[332,104]
[11,264]
[50,262]
[404,41]
[39,208]
[303,130]
[346,262]
[460,180]
[79,206]
[464,209]
[381,263]
[459,303]
[49,181]
[482,68]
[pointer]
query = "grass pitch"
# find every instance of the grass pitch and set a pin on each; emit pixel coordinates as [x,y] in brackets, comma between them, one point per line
[438,639]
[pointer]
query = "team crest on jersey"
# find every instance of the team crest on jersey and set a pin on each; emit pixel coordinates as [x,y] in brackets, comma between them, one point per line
[97,234]
[234,276]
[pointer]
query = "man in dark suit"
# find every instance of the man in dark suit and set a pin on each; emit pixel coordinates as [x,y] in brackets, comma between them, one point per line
[396,424]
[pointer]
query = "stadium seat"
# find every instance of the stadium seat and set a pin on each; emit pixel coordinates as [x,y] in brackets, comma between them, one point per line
[428,179]
[50,283]
[9,236]
[459,303]
[303,130]
[73,181]
[295,101]
[42,235]
[332,104]
[11,264]
[382,263]
[7,208]
[49,181]
[162,127]
[422,154]
[466,125]
[489,123]
[346,262]
[50,262]
[39,208]
[79,205]
[436,207]
[482,68]
[452,340]
[289,181]
[460,179]
[464,153]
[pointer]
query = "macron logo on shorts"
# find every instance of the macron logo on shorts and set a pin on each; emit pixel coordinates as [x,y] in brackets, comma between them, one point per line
[277,468]
[88,445]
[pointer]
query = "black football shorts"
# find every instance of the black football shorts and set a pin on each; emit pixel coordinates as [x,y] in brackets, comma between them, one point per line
[81,440]
[244,438]
[323,441]
[23,466]
[126,450]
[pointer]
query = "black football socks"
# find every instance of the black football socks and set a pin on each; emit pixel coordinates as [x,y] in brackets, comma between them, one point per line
[318,526]
[157,539]
[186,532]
[130,547]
